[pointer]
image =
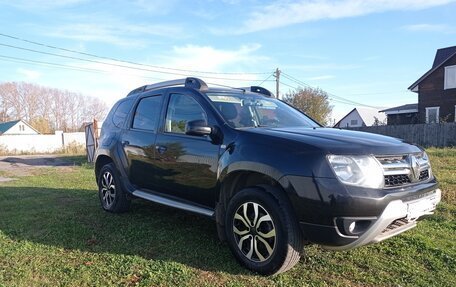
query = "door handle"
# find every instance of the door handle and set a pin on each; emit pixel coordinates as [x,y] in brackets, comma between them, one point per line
[161,149]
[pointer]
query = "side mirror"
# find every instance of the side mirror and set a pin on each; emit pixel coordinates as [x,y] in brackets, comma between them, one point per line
[197,128]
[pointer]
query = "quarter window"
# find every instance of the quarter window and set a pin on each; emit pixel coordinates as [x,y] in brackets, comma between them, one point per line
[432,115]
[121,112]
[450,77]
[181,110]
[147,113]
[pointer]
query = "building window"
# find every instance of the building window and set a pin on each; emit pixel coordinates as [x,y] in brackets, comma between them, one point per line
[432,115]
[354,122]
[450,77]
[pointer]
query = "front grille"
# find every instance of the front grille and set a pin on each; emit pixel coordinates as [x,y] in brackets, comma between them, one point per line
[424,174]
[394,180]
[405,169]
[395,225]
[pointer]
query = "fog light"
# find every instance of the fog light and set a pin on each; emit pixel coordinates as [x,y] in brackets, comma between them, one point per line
[351,227]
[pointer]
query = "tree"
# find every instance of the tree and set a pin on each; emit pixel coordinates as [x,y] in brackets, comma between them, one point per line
[48,109]
[313,102]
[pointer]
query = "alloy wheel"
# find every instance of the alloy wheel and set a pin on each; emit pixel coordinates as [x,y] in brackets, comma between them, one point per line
[108,189]
[254,232]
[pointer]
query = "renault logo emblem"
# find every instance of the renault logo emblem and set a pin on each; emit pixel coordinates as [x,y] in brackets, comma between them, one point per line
[414,169]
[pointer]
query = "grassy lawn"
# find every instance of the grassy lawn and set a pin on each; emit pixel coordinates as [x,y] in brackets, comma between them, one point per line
[54,233]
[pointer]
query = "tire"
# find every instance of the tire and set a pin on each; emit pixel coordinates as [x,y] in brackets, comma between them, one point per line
[112,196]
[262,232]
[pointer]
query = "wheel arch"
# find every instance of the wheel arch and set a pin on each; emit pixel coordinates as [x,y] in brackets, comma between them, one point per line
[240,179]
[101,161]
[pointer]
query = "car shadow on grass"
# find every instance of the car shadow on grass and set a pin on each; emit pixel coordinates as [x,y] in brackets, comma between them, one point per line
[73,219]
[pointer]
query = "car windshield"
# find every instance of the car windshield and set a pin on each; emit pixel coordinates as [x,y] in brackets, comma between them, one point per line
[247,110]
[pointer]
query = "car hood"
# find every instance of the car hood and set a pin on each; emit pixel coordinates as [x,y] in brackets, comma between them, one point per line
[337,141]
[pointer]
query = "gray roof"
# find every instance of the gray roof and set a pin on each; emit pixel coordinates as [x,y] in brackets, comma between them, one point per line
[441,56]
[368,116]
[6,126]
[403,107]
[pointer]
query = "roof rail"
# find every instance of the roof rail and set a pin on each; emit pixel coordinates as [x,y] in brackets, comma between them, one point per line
[259,90]
[193,83]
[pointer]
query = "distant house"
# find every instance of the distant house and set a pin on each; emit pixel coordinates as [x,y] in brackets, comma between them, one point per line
[18,127]
[361,117]
[437,89]
[402,115]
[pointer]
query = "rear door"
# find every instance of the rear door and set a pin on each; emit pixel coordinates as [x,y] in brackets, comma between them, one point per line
[185,165]
[139,138]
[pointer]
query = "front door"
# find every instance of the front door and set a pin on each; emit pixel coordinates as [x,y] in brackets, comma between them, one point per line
[185,165]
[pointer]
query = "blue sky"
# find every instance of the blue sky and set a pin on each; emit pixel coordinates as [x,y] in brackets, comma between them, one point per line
[365,51]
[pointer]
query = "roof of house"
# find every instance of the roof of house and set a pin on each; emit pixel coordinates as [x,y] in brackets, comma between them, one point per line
[368,115]
[7,125]
[402,108]
[441,56]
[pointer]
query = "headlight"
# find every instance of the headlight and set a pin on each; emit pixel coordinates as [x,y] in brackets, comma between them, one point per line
[363,171]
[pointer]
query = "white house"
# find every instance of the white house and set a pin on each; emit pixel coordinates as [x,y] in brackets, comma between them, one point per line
[361,117]
[18,127]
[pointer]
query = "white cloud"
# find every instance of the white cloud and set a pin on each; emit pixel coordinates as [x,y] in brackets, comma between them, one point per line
[30,75]
[442,28]
[115,82]
[321,78]
[284,13]
[157,7]
[322,67]
[42,4]
[115,32]
[208,58]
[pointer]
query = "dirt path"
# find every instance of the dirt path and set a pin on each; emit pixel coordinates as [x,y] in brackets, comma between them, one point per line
[23,165]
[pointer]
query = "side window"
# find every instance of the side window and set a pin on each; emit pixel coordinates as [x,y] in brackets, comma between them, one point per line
[147,113]
[121,112]
[182,109]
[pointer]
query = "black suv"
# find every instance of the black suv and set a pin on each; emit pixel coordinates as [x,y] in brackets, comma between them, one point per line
[272,178]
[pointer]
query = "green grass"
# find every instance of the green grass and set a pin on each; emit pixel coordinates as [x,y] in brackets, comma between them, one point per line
[54,233]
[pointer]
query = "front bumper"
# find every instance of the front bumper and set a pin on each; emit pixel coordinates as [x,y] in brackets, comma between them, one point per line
[398,216]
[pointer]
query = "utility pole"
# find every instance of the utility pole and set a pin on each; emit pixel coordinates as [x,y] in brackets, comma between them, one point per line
[277,76]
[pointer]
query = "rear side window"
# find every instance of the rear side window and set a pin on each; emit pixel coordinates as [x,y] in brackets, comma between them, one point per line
[121,112]
[147,113]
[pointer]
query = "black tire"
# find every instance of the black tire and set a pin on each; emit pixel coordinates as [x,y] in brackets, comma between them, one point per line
[281,233]
[112,196]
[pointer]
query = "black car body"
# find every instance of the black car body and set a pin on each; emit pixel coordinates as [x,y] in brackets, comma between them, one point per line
[270,188]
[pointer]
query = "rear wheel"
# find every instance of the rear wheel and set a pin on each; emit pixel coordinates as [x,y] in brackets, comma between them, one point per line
[262,232]
[112,196]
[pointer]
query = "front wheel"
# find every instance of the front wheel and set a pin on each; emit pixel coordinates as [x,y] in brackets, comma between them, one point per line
[262,232]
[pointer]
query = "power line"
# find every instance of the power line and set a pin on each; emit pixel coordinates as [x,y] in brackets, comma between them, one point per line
[63,66]
[265,79]
[127,62]
[115,65]
[335,97]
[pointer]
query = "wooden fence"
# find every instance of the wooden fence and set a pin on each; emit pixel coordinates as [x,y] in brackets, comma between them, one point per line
[427,135]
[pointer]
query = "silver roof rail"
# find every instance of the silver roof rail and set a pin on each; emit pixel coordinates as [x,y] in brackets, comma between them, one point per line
[193,83]
[178,82]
